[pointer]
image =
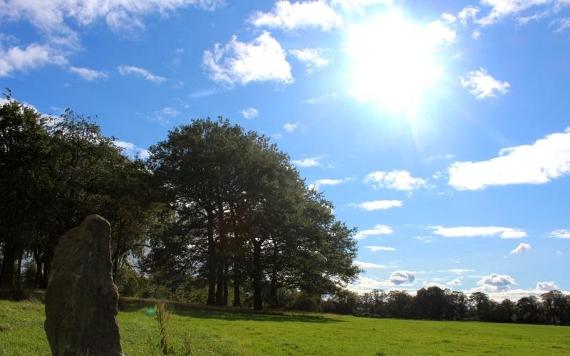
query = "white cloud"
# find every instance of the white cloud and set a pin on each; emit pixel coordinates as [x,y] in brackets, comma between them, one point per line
[327,181]
[398,180]
[262,59]
[140,72]
[467,14]
[515,294]
[368,265]
[31,57]
[311,57]
[378,205]
[563,24]
[375,231]
[380,248]
[501,9]
[538,163]
[459,271]
[249,113]
[482,85]
[546,286]
[522,247]
[496,282]
[88,74]
[365,284]
[289,16]
[164,116]
[402,277]
[360,5]
[308,162]
[321,98]
[560,234]
[479,231]
[291,126]
[131,150]
[50,16]
[455,282]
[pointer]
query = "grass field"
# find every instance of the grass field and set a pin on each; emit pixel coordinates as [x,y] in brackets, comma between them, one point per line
[230,333]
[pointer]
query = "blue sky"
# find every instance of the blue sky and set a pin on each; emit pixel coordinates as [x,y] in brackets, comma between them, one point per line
[439,129]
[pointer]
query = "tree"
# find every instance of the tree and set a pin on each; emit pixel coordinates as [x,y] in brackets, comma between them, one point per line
[23,162]
[528,310]
[482,305]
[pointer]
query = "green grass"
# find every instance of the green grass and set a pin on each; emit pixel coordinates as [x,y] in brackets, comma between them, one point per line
[229,333]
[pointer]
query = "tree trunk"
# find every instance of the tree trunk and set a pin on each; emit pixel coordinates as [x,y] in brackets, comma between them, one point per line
[237,277]
[257,275]
[273,289]
[211,263]
[225,286]
[7,270]
[220,285]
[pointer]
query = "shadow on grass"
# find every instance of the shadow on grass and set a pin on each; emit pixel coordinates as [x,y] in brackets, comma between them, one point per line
[221,313]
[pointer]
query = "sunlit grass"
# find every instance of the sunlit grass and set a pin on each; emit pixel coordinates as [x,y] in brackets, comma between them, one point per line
[230,333]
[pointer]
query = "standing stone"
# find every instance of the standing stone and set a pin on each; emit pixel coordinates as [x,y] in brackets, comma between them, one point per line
[81,299]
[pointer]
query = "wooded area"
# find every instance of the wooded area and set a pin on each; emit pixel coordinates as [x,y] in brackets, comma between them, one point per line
[213,208]
[214,215]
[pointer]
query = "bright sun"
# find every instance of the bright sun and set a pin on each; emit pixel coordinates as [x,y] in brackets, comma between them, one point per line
[393,61]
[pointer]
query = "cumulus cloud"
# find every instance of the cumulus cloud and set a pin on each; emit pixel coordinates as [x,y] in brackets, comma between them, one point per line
[51,16]
[88,74]
[380,248]
[125,70]
[303,14]
[398,180]
[309,162]
[378,205]
[560,234]
[366,284]
[538,163]
[482,85]
[546,286]
[455,282]
[402,277]
[311,57]
[467,14]
[501,9]
[31,57]
[262,59]
[131,150]
[522,247]
[291,126]
[479,231]
[249,113]
[360,5]
[369,265]
[375,231]
[496,282]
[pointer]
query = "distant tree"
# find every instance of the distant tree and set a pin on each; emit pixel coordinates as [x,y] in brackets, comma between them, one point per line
[504,312]
[399,304]
[528,310]
[430,303]
[481,305]
[556,307]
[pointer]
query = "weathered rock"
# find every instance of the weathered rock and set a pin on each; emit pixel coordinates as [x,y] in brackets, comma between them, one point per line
[81,299]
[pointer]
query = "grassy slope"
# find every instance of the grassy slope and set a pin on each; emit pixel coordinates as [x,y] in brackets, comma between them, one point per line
[225,333]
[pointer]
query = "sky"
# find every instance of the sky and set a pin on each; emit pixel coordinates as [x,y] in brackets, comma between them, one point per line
[439,129]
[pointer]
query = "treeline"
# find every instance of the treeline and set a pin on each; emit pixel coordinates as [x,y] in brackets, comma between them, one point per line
[434,303]
[214,213]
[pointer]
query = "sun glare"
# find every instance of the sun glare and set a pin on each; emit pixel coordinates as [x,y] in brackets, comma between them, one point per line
[393,62]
